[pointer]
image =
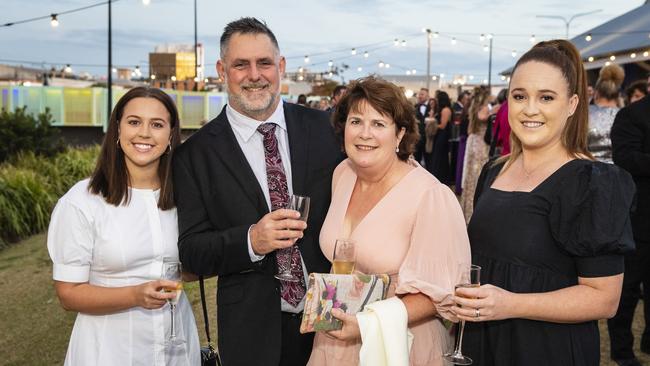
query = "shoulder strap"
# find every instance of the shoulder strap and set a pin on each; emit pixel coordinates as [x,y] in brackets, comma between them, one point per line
[205,310]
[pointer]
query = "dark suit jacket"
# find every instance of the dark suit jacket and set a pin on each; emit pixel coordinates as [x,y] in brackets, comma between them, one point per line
[631,150]
[419,147]
[218,199]
[419,115]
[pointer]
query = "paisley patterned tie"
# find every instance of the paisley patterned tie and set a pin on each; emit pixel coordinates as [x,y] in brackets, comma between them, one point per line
[291,292]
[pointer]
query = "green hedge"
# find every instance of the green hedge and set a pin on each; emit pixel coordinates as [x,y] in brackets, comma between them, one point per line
[21,131]
[31,184]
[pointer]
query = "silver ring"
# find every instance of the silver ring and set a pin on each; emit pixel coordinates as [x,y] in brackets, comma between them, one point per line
[478,312]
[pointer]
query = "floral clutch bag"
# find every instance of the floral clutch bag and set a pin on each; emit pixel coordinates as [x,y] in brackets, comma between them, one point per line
[348,292]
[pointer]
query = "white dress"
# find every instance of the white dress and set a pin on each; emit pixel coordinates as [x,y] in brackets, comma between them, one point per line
[92,241]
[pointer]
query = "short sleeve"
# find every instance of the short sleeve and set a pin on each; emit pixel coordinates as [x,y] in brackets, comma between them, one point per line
[590,218]
[439,246]
[70,243]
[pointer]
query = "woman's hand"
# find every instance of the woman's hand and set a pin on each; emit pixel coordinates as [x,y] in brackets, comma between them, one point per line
[149,295]
[483,303]
[350,330]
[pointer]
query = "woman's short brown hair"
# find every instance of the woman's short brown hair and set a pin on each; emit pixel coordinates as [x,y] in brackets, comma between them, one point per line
[387,99]
[111,176]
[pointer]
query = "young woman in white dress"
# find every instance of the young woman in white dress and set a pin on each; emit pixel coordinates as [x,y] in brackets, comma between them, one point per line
[108,237]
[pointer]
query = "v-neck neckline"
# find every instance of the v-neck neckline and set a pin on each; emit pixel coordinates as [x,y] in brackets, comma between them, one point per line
[348,198]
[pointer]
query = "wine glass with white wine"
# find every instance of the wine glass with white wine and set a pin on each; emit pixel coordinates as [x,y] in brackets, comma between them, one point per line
[470,277]
[344,256]
[171,270]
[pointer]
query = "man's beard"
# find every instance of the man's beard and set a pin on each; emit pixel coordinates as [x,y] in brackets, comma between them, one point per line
[252,107]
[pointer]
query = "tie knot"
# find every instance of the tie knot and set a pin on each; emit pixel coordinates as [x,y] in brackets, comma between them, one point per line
[266,129]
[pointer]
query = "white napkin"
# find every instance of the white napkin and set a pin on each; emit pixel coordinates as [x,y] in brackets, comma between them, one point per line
[385,338]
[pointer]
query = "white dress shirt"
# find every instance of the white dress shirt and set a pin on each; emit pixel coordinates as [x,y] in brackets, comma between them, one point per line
[90,240]
[252,144]
[423,109]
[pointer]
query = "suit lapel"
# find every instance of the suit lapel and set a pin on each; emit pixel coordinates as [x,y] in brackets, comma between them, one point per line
[230,153]
[298,131]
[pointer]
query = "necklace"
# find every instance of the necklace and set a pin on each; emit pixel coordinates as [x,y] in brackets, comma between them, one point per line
[527,173]
[524,184]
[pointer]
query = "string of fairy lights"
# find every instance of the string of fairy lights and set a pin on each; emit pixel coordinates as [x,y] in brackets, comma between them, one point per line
[358,57]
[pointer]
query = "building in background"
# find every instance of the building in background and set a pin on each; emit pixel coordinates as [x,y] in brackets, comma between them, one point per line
[176,62]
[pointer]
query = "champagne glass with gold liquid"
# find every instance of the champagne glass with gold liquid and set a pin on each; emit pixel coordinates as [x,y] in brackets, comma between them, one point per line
[171,270]
[471,277]
[344,256]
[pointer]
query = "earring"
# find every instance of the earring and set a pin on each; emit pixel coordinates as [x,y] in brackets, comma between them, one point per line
[117,142]
[397,149]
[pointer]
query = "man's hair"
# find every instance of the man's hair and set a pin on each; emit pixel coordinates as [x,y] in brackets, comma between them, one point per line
[463,94]
[425,89]
[338,90]
[248,25]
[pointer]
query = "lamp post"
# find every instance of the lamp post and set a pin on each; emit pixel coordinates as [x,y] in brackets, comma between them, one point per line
[428,31]
[567,22]
[196,54]
[109,79]
[490,67]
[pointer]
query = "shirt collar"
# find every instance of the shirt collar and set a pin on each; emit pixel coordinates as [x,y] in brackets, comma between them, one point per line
[246,126]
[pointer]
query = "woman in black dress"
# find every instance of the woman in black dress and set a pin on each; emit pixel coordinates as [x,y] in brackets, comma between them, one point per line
[437,163]
[549,229]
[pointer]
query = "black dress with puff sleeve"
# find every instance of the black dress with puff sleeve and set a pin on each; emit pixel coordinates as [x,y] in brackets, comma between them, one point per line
[574,224]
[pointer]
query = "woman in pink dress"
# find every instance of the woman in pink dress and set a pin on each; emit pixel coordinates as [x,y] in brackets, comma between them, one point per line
[404,221]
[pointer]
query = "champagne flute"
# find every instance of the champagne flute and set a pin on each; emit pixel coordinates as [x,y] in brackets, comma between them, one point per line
[470,278]
[344,256]
[171,270]
[300,204]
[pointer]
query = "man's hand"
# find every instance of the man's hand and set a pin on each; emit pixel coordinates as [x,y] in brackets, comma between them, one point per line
[276,230]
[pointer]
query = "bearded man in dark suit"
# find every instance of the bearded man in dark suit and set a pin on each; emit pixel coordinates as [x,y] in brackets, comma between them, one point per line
[232,180]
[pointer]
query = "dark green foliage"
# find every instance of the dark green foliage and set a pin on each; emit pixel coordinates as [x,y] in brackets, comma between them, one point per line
[30,185]
[20,131]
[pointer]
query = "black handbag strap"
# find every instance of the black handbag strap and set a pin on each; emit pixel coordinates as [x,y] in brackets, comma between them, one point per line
[205,309]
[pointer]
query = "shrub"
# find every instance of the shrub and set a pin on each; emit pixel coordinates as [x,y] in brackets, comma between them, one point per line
[27,200]
[30,185]
[20,131]
[75,165]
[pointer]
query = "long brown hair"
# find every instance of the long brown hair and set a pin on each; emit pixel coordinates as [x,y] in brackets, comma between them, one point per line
[479,99]
[111,176]
[562,55]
